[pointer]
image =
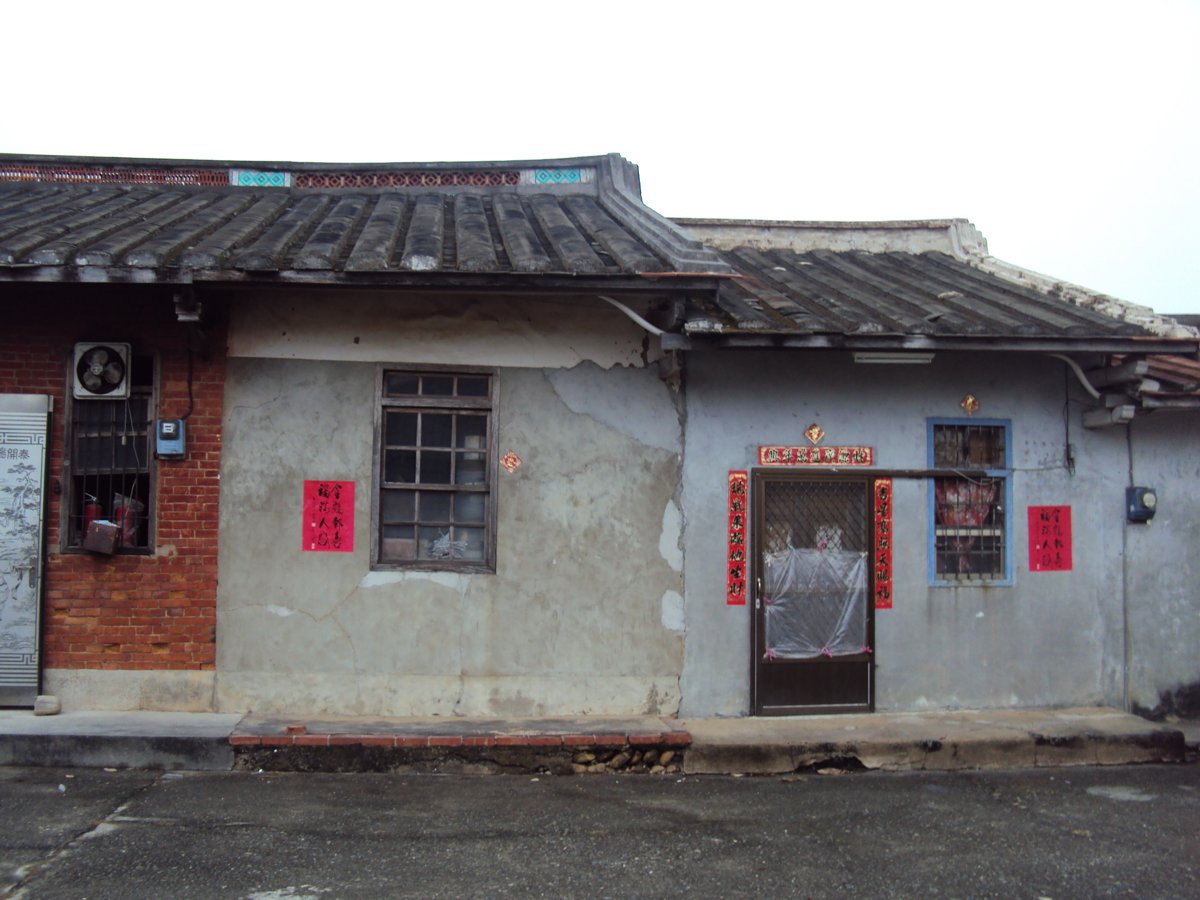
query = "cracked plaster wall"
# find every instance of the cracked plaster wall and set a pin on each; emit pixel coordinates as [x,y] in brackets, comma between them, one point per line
[550,331]
[582,616]
[1050,639]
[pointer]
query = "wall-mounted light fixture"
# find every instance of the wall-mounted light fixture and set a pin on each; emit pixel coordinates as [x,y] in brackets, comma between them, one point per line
[899,357]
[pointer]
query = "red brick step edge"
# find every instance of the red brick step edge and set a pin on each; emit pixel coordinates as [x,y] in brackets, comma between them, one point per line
[541,741]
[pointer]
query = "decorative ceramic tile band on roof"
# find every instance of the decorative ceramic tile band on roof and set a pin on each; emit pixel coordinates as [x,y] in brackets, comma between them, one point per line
[433,179]
[558,176]
[66,174]
[250,178]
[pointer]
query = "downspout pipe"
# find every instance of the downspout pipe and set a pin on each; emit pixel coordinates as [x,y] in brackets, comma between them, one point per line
[653,329]
[1079,374]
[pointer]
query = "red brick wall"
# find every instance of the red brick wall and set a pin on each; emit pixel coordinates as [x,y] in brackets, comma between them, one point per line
[127,612]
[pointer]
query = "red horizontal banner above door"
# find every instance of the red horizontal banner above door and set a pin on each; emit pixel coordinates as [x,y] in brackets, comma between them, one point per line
[775,455]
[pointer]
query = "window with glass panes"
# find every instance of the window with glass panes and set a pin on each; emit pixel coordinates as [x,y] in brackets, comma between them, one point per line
[436,469]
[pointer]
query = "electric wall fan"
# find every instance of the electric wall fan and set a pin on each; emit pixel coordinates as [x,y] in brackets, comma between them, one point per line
[101,371]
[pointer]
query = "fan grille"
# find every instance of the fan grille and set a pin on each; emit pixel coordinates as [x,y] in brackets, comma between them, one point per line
[101,370]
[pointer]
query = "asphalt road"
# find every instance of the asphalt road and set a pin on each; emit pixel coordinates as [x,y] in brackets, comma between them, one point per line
[1096,832]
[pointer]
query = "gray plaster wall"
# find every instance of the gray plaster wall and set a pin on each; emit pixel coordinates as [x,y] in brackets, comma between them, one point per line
[584,613]
[1161,582]
[341,325]
[1049,639]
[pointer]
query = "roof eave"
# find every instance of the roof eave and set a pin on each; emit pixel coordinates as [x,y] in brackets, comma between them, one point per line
[672,282]
[924,343]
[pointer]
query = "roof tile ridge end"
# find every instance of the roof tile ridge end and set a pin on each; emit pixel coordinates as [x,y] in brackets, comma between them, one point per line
[968,241]
[1085,298]
[620,194]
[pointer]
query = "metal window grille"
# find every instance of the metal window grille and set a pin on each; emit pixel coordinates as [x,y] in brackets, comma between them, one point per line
[436,472]
[969,513]
[110,466]
[814,515]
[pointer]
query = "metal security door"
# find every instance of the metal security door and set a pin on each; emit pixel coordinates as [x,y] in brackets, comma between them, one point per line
[24,423]
[813,616]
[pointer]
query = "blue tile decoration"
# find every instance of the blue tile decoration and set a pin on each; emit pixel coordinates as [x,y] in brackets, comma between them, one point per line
[557,176]
[248,178]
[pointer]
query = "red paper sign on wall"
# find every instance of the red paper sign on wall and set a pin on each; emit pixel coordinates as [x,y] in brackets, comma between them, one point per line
[328,517]
[815,456]
[735,560]
[883,543]
[1049,539]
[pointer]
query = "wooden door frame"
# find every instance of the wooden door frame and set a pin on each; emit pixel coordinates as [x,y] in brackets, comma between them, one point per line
[759,477]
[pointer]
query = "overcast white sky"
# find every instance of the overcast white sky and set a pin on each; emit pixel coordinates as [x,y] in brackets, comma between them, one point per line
[1068,132]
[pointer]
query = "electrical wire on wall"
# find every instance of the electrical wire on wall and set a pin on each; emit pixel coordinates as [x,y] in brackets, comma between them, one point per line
[191,400]
[1129,449]
[1068,451]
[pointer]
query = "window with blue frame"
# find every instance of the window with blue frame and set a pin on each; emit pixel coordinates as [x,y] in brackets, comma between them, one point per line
[971,540]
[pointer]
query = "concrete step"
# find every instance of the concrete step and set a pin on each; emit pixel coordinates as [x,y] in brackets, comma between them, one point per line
[968,739]
[135,740]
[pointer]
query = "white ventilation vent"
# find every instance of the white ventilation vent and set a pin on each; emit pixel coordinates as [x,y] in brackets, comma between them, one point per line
[101,371]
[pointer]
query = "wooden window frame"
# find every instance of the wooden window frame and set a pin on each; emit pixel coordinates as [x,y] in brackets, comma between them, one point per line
[488,404]
[70,531]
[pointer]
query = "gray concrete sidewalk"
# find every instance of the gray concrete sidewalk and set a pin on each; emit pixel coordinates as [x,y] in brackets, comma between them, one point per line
[135,740]
[968,739]
[964,739]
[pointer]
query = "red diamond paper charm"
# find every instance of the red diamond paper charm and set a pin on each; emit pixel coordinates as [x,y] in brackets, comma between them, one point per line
[970,404]
[510,461]
[815,433]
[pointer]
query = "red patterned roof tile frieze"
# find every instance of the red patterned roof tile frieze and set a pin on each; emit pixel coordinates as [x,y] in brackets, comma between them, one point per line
[406,179]
[59,174]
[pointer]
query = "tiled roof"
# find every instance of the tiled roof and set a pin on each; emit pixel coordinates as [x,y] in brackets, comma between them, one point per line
[1176,374]
[1171,382]
[161,221]
[912,284]
[931,293]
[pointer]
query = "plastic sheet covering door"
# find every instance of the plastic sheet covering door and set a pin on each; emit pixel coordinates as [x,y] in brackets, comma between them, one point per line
[815,603]
[814,570]
[24,421]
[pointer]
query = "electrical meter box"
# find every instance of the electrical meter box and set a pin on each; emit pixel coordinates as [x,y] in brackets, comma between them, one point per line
[1141,503]
[169,439]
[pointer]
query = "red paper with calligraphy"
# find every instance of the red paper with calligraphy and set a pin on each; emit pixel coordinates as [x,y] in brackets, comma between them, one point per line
[735,560]
[328,516]
[1049,539]
[883,543]
[815,456]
